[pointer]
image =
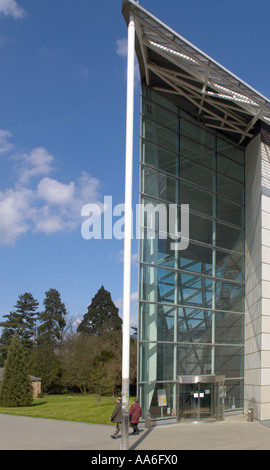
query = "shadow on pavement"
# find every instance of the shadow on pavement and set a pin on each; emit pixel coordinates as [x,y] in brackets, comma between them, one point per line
[141,439]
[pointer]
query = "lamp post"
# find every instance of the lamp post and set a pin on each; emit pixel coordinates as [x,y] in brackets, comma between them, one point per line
[128,234]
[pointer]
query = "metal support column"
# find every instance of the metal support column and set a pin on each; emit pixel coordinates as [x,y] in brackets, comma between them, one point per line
[128,234]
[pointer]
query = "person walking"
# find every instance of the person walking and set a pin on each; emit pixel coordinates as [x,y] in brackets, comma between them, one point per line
[135,413]
[116,417]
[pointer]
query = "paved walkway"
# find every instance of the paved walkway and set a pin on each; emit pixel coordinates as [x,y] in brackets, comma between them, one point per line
[235,433]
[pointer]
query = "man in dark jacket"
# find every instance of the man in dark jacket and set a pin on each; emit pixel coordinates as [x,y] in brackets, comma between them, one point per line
[135,413]
[117,417]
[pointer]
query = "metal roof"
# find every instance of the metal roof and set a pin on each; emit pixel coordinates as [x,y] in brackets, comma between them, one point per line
[171,64]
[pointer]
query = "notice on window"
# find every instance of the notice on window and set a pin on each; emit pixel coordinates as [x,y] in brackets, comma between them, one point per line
[162,399]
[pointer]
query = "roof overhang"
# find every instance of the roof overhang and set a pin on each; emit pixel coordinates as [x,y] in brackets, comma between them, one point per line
[172,65]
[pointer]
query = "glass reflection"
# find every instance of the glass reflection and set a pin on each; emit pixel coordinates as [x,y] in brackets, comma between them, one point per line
[191,301]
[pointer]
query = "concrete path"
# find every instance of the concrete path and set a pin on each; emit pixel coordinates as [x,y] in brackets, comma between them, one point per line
[235,433]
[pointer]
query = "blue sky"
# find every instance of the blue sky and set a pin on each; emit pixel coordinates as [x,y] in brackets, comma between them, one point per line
[62,130]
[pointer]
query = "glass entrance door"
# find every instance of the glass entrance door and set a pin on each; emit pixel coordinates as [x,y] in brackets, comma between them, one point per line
[189,402]
[206,401]
[200,398]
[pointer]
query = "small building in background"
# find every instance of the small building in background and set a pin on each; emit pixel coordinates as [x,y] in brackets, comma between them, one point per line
[35,381]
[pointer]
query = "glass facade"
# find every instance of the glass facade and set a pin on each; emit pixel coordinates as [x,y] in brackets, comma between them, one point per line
[191,309]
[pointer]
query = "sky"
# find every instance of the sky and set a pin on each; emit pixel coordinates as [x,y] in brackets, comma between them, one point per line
[62,131]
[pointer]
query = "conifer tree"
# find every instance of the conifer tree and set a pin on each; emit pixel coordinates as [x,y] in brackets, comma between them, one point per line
[16,388]
[52,319]
[22,322]
[102,315]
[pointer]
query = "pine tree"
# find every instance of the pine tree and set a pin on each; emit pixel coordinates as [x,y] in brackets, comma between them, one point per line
[102,315]
[52,319]
[16,388]
[21,322]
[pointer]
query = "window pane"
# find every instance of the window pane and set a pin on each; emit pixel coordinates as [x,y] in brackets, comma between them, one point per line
[151,95]
[197,152]
[230,188]
[229,361]
[198,200]
[158,284]
[160,135]
[230,212]
[194,326]
[230,238]
[160,115]
[196,258]
[159,185]
[230,296]
[230,266]
[148,321]
[166,285]
[166,256]
[230,168]
[160,158]
[191,171]
[198,133]
[194,359]
[165,390]
[200,229]
[148,359]
[165,323]
[229,328]
[230,150]
[154,216]
[157,322]
[165,361]
[195,290]
[234,394]
[158,251]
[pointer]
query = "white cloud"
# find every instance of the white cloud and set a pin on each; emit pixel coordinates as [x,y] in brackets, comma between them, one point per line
[11,8]
[121,50]
[15,211]
[89,188]
[47,222]
[36,163]
[121,47]
[5,146]
[40,203]
[54,192]
[64,202]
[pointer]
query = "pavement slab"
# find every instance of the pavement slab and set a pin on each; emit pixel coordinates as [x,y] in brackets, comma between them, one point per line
[234,433]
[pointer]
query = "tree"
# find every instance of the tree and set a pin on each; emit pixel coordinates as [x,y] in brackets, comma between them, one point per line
[16,388]
[92,363]
[113,383]
[102,315]
[77,354]
[100,370]
[21,322]
[52,319]
[44,363]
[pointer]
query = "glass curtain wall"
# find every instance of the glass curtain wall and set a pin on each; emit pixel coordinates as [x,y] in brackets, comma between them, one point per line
[191,309]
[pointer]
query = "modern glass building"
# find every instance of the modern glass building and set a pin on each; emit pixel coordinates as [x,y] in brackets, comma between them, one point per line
[204,308]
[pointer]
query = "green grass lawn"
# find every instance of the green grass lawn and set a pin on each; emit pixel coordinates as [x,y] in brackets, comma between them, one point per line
[82,408]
